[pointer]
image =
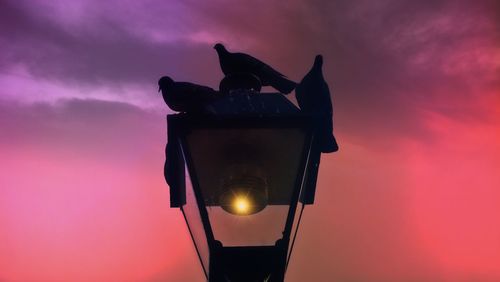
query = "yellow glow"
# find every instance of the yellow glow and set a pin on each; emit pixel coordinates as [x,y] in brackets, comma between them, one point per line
[241,205]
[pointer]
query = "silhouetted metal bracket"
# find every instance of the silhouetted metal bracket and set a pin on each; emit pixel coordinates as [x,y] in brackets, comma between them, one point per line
[311,175]
[174,167]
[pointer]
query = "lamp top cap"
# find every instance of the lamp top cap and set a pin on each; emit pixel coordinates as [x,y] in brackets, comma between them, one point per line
[250,102]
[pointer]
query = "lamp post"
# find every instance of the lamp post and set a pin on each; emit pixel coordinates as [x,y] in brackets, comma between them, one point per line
[241,177]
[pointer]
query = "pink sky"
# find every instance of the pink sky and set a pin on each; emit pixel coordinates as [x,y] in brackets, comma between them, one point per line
[411,196]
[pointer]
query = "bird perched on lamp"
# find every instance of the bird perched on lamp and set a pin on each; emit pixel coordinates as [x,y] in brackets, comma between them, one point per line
[313,96]
[240,63]
[186,96]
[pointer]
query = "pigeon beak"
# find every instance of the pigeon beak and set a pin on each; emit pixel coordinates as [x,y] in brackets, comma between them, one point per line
[159,89]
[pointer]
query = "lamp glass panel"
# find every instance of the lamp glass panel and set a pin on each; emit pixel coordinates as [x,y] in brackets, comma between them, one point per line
[193,219]
[260,165]
[295,229]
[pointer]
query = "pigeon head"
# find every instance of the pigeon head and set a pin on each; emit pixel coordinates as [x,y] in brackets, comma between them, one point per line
[164,83]
[219,47]
[318,61]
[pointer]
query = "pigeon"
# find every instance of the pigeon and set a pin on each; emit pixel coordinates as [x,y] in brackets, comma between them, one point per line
[313,96]
[185,96]
[236,63]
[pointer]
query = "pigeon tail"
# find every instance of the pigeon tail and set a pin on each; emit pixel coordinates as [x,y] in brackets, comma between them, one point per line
[329,144]
[283,85]
[326,139]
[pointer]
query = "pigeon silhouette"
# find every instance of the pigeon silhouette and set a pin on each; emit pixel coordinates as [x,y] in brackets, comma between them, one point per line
[185,96]
[238,63]
[313,96]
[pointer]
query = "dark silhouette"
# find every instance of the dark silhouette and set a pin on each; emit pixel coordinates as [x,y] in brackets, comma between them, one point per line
[237,63]
[313,96]
[245,159]
[238,81]
[186,96]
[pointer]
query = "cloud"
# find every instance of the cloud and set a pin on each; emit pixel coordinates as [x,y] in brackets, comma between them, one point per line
[385,62]
[376,85]
[99,129]
[101,53]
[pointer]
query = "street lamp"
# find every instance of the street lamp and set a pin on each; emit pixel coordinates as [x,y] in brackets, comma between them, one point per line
[241,177]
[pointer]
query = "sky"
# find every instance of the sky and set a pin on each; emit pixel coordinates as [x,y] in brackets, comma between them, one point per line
[412,195]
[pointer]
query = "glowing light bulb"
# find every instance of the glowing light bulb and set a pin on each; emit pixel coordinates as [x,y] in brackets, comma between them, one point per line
[241,205]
